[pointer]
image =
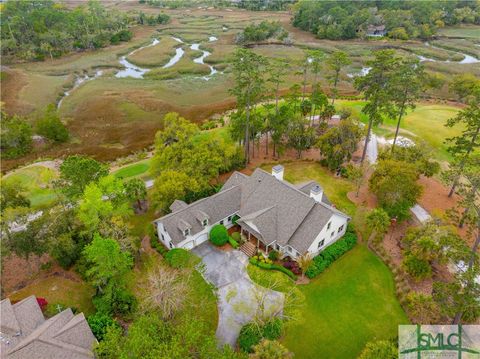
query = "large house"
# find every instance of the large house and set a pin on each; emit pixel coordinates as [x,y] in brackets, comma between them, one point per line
[271,212]
[25,333]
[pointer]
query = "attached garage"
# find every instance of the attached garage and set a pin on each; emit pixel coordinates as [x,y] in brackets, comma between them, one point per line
[201,239]
[189,245]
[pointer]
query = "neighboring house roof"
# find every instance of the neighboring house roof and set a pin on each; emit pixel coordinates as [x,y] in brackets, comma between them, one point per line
[274,210]
[26,334]
[374,30]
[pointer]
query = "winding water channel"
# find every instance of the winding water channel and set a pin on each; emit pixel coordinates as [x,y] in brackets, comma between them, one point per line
[78,81]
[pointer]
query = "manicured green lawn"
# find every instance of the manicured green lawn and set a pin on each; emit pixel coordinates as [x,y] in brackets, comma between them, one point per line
[427,122]
[133,170]
[336,188]
[36,182]
[349,304]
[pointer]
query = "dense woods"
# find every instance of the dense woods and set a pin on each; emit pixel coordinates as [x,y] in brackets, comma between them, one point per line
[341,20]
[35,30]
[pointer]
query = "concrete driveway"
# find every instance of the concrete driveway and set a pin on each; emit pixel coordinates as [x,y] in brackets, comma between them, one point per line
[239,298]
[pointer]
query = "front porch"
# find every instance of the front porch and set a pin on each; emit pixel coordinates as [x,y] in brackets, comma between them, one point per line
[255,240]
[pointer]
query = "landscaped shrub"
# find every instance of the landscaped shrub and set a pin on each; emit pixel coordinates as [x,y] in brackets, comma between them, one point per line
[270,266]
[235,219]
[273,329]
[219,235]
[179,258]
[332,253]
[251,334]
[236,236]
[416,267]
[154,242]
[99,323]
[273,255]
[233,242]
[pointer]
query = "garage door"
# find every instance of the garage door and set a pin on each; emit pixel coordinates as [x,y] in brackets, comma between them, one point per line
[189,245]
[201,239]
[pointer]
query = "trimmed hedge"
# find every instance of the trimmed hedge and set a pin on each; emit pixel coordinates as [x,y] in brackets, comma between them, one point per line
[332,253]
[236,236]
[155,243]
[251,334]
[272,266]
[218,235]
[233,242]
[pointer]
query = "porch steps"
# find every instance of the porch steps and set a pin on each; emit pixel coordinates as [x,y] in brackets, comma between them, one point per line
[248,248]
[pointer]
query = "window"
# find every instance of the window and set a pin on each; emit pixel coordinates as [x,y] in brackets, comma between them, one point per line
[340,228]
[205,222]
[328,225]
[332,234]
[321,243]
[171,245]
[229,218]
[186,232]
[163,237]
[221,222]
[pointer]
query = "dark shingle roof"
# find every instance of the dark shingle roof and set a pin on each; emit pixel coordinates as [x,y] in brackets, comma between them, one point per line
[274,209]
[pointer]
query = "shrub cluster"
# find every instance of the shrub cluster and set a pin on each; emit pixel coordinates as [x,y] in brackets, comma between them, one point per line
[251,334]
[158,246]
[233,242]
[266,263]
[219,235]
[236,236]
[332,253]
[179,258]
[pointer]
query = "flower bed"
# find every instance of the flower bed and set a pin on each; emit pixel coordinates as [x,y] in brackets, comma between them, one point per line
[332,253]
[266,263]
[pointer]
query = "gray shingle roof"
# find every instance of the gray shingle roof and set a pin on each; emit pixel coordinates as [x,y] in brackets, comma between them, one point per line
[63,336]
[306,187]
[177,205]
[216,207]
[275,210]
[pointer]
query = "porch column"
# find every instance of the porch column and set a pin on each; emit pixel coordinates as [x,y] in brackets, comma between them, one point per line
[258,243]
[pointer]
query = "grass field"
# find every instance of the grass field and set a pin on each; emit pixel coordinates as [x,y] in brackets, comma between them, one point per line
[471,31]
[59,290]
[36,182]
[134,170]
[349,304]
[157,55]
[426,122]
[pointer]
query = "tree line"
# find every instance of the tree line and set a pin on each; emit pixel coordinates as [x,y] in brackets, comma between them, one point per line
[341,20]
[39,29]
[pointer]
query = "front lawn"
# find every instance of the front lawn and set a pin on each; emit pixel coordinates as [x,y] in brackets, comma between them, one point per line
[346,306]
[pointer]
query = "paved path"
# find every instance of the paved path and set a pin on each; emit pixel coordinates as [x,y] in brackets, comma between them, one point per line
[372,154]
[238,296]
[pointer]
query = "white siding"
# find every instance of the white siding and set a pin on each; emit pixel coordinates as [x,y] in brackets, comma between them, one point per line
[191,240]
[336,221]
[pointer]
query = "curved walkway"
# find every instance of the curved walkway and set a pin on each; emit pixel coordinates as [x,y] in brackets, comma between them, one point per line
[239,299]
